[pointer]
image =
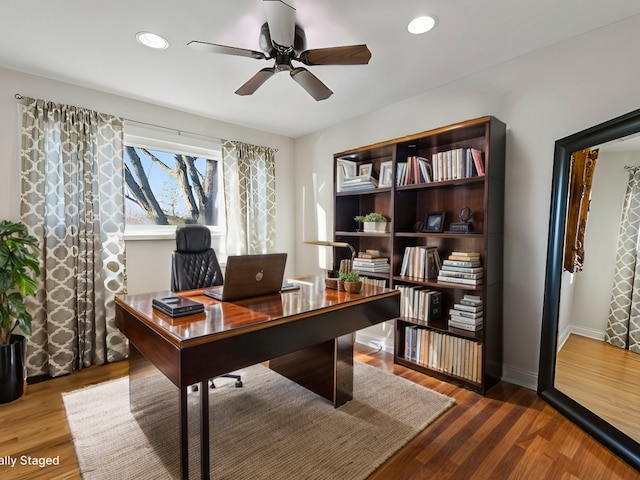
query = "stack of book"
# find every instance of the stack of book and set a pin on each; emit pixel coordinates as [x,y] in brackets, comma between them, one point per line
[467,314]
[462,268]
[420,303]
[420,262]
[359,182]
[370,263]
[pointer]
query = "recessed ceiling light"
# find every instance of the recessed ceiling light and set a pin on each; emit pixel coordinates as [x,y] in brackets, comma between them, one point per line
[421,25]
[152,40]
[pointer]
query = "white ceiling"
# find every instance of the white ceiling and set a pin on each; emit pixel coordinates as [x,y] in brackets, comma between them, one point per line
[92,44]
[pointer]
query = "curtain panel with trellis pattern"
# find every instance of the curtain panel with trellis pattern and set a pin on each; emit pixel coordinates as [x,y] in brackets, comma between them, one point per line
[623,328]
[72,198]
[250,198]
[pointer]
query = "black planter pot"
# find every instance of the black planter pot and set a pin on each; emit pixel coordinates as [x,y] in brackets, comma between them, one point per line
[12,358]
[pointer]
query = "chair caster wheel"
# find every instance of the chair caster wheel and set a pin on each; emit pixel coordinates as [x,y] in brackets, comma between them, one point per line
[238,384]
[194,388]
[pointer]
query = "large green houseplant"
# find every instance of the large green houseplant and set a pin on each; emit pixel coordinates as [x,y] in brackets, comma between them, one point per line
[18,272]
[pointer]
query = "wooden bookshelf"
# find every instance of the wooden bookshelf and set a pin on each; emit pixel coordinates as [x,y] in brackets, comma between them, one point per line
[406,205]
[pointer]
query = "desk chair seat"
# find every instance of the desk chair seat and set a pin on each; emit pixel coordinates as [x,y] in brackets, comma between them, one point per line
[194,265]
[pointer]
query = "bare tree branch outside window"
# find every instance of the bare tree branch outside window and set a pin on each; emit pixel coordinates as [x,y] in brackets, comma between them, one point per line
[165,188]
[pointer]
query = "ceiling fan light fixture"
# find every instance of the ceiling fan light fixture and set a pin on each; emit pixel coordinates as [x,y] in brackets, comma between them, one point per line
[420,25]
[152,40]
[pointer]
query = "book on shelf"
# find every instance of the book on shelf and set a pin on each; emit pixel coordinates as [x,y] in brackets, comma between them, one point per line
[360,182]
[377,282]
[369,263]
[456,164]
[414,171]
[460,281]
[465,307]
[420,303]
[370,253]
[443,352]
[447,273]
[462,315]
[468,327]
[420,262]
[464,256]
[462,263]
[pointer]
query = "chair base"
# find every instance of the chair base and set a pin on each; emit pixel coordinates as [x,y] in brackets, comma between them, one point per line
[238,379]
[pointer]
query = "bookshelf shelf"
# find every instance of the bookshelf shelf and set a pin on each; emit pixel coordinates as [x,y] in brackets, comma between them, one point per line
[448,157]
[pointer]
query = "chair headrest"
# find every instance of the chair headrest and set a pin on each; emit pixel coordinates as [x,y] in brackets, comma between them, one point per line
[193,238]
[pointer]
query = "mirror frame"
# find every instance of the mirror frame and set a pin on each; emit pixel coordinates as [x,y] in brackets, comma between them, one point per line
[618,442]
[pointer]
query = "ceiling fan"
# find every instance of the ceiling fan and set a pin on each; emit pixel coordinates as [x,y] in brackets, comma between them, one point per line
[283,40]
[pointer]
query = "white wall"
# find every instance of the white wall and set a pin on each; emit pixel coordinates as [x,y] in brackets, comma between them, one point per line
[148,262]
[542,97]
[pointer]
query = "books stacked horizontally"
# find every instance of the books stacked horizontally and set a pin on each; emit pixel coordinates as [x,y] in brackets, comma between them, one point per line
[359,182]
[371,262]
[467,314]
[462,268]
[420,303]
[420,262]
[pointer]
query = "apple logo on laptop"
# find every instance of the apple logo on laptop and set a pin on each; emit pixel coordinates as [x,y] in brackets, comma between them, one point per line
[259,276]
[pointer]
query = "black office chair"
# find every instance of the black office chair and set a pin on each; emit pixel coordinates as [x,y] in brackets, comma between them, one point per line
[194,265]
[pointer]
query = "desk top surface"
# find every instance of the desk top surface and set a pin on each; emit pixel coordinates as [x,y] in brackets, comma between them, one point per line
[223,319]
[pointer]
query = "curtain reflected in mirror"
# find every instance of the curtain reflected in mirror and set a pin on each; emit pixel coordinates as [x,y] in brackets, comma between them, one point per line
[591,315]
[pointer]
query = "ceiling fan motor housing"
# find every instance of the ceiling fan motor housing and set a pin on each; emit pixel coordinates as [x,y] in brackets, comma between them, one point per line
[268,46]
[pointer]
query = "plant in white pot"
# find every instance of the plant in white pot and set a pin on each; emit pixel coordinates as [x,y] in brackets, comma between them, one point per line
[18,272]
[373,222]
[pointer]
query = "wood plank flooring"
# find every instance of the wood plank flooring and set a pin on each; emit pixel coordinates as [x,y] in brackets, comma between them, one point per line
[510,434]
[603,378]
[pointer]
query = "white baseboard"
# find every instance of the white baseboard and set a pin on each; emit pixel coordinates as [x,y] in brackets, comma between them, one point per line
[376,341]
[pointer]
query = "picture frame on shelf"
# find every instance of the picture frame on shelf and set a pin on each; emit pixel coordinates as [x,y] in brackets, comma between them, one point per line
[433,222]
[366,169]
[386,174]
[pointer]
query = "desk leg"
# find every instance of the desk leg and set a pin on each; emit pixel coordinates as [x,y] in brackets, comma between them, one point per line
[162,411]
[325,368]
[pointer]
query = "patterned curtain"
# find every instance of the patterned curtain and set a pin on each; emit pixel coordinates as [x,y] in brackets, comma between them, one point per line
[250,197]
[623,329]
[72,201]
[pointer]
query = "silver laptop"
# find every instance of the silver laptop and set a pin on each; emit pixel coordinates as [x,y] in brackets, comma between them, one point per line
[250,276]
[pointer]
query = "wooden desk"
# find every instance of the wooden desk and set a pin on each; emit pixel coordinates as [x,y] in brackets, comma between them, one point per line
[307,334]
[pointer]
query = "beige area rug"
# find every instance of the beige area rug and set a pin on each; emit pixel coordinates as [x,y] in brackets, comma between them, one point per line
[269,429]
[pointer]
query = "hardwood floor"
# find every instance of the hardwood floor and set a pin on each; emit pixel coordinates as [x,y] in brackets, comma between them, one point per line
[604,379]
[510,434]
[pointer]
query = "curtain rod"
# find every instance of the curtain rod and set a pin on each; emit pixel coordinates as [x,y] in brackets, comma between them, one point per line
[21,100]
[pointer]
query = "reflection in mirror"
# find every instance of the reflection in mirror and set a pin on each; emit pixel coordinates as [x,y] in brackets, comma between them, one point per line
[595,384]
[602,377]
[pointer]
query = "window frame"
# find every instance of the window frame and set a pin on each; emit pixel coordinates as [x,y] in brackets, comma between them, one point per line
[173,141]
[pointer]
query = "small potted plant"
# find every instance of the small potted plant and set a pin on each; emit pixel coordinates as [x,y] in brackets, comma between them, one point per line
[18,266]
[351,281]
[374,222]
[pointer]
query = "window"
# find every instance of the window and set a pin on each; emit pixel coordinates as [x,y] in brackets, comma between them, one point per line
[171,179]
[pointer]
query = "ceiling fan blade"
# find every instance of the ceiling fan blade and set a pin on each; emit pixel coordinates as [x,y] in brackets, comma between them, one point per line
[311,83]
[281,18]
[254,82]
[215,48]
[347,55]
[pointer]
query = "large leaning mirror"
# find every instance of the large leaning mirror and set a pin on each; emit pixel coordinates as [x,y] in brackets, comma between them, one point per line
[589,370]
